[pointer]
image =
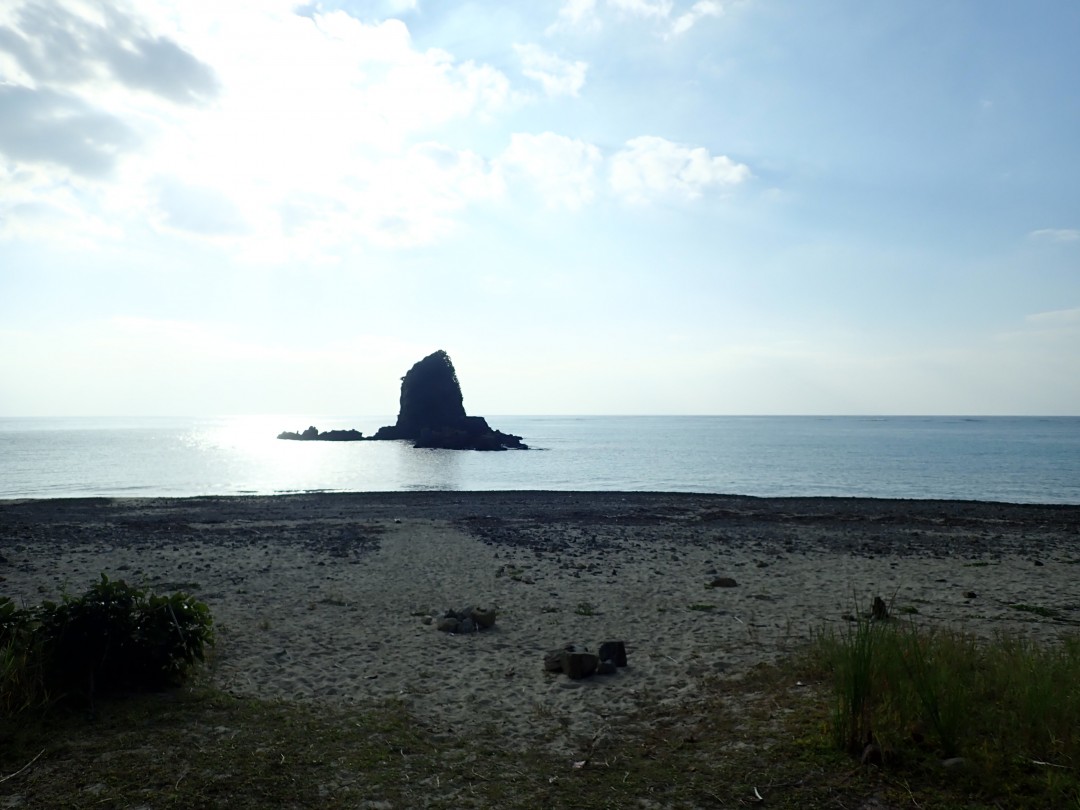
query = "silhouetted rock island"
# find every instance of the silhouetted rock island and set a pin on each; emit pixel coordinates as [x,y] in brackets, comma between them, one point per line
[432,413]
[312,435]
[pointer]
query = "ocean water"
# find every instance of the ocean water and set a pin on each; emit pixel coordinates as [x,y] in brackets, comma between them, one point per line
[1016,459]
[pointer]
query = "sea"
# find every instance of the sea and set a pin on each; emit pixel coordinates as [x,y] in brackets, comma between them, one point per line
[1009,459]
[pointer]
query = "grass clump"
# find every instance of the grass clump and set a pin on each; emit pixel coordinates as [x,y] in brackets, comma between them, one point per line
[913,697]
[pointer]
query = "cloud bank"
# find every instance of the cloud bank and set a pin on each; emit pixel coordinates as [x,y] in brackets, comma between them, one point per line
[281,135]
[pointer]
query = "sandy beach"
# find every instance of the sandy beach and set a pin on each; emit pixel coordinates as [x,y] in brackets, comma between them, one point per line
[330,597]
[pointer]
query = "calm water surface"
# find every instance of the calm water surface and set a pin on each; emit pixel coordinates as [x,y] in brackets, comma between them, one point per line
[1020,459]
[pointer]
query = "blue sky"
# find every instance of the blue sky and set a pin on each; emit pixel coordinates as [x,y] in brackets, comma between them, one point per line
[595,206]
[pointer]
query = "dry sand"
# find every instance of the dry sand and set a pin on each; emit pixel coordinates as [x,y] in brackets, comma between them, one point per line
[324,597]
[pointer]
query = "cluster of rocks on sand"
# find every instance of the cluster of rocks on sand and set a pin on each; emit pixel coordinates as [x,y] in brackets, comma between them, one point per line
[576,661]
[466,620]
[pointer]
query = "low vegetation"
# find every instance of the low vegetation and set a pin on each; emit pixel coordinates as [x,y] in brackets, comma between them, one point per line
[882,714]
[1002,717]
[114,637]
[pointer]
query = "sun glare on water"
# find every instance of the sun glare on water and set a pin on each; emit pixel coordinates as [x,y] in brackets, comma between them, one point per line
[256,456]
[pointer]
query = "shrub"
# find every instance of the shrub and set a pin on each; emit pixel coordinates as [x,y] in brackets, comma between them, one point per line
[114,637]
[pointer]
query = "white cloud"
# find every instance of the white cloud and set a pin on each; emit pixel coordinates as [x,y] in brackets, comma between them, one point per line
[1056,234]
[86,84]
[587,15]
[402,6]
[659,9]
[412,199]
[1057,317]
[280,135]
[236,118]
[700,10]
[196,210]
[1054,333]
[96,45]
[561,168]
[566,171]
[400,201]
[650,166]
[59,129]
[576,15]
[556,75]
[36,202]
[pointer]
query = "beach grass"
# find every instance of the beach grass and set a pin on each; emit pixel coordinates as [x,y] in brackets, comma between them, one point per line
[1005,711]
[1003,714]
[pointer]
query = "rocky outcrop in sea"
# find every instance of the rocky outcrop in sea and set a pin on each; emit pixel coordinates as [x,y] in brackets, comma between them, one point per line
[312,434]
[432,412]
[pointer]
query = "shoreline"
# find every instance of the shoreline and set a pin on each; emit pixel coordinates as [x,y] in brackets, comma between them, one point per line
[325,597]
[553,494]
[546,497]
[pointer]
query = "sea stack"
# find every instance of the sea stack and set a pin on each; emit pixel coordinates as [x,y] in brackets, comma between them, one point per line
[432,413]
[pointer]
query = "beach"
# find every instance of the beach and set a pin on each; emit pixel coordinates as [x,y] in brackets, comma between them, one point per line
[335,597]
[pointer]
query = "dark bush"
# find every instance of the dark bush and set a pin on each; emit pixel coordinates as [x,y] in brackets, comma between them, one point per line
[114,637]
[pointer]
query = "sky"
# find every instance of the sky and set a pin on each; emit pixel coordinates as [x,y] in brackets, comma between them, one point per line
[594,206]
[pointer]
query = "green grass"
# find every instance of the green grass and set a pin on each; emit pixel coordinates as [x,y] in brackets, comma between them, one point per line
[199,748]
[1009,708]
